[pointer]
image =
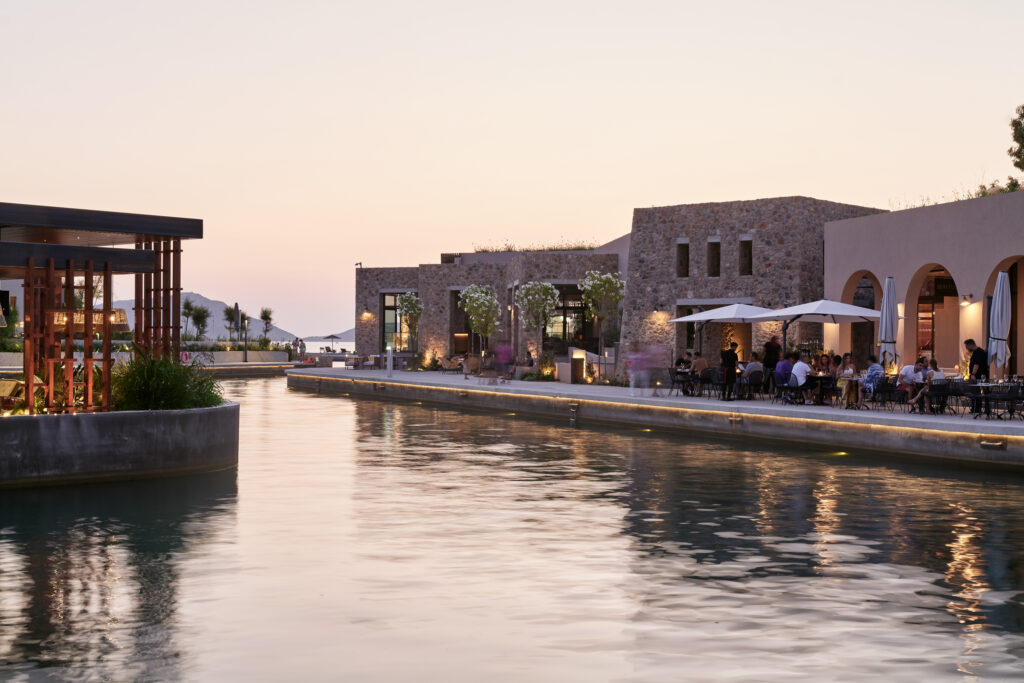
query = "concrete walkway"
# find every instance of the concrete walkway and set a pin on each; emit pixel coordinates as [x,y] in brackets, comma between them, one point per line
[621,395]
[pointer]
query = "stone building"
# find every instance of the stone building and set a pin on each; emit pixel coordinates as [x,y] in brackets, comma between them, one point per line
[443,328]
[764,252]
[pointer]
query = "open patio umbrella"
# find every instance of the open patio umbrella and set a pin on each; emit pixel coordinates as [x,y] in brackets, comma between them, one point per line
[733,313]
[821,311]
[999,322]
[889,321]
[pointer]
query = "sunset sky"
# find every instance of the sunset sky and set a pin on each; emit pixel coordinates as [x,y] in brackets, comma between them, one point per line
[312,135]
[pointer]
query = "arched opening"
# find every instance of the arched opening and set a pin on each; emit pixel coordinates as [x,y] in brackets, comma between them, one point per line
[931,317]
[1014,267]
[862,289]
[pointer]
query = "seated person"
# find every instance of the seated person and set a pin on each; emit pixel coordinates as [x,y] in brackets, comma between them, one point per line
[529,359]
[798,378]
[752,366]
[910,376]
[699,364]
[869,382]
[785,366]
[924,395]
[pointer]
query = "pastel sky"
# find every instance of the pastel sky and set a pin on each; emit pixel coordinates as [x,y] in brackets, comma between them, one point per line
[312,135]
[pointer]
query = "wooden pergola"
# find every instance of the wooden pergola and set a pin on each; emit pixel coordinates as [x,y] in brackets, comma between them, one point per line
[48,248]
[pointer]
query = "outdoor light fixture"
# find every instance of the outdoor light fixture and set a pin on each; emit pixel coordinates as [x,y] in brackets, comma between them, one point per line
[966,301]
[359,264]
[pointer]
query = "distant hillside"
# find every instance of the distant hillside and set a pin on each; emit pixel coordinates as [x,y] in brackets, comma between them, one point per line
[215,328]
[346,336]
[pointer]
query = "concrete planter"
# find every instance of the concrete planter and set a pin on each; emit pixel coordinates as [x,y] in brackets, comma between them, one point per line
[57,449]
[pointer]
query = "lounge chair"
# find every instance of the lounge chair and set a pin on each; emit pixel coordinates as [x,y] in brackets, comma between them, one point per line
[450,365]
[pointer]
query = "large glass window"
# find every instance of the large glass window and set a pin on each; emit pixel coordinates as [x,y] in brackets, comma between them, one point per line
[396,329]
[570,326]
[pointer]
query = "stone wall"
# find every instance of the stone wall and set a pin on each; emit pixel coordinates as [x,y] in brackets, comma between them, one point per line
[435,282]
[787,235]
[370,283]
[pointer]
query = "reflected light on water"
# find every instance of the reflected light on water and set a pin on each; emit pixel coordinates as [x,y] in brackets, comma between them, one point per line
[366,540]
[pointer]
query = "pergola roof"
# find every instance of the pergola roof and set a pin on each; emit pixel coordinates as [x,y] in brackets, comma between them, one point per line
[14,255]
[56,225]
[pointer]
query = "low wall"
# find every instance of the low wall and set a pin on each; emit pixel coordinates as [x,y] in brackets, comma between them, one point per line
[970,447]
[52,449]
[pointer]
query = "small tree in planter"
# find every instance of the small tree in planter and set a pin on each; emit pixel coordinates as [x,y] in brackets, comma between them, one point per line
[602,293]
[537,302]
[482,310]
[411,308]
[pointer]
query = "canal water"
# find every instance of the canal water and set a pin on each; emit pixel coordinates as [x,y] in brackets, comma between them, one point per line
[369,541]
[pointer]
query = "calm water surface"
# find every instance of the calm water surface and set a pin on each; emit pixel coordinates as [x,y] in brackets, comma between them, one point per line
[369,541]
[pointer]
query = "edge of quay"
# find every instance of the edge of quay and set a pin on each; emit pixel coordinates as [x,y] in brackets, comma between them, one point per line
[952,440]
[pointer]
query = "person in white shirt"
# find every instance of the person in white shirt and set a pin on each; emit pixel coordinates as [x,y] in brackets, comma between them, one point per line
[910,376]
[925,394]
[798,377]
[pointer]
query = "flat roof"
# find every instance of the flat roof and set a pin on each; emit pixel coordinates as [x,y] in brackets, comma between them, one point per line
[14,257]
[58,225]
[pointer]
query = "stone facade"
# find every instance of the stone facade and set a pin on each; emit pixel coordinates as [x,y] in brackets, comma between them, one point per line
[435,283]
[786,236]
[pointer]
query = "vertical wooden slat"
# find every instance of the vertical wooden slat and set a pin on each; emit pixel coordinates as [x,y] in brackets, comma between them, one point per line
[28,360]
[147,304]
[138,308]
[51,305]
[176,299]
[166,298]
[69,336]
[87,299]
[108,283]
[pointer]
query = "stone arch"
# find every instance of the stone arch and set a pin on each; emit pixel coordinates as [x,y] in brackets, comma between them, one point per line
[933,299]
[860,339]
[1014,266]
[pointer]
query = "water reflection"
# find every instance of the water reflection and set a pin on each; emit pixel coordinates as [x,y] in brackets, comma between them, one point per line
[785,546]
[89,574]
[370,540]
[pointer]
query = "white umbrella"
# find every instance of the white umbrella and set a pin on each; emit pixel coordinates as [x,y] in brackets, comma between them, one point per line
[999,322]
[889,322]
[821,311]
[733,313]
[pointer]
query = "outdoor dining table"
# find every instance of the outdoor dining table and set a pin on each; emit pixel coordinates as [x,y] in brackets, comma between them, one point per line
[819,383]
[850,387]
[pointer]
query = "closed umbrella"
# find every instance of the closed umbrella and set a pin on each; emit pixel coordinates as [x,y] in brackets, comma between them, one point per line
[999,322]
[887,324]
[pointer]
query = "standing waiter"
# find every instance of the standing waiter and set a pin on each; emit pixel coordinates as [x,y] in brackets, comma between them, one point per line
[729,362]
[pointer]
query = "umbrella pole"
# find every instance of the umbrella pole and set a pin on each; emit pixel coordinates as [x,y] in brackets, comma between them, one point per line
[785,328]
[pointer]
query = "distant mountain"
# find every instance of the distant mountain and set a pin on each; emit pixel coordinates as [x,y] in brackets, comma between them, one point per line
[215,327]
[346,336]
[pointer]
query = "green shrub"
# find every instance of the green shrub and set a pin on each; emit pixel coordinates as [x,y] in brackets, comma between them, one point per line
[147,383]
[537,377]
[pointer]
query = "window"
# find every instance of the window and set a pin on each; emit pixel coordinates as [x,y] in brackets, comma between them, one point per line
[714,259]
[746,257]
[396,330]
[682,260]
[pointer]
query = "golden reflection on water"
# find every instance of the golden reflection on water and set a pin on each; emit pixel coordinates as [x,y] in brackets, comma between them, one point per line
[825,520]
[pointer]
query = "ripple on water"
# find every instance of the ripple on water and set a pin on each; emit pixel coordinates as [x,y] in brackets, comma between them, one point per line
[372,541]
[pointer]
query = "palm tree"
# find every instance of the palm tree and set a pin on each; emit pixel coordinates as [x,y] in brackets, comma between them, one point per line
[229,322]
[267,316]
[187,311]
[200,318]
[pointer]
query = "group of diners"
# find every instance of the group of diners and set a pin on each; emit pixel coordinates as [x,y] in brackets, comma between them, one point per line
[801,377]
